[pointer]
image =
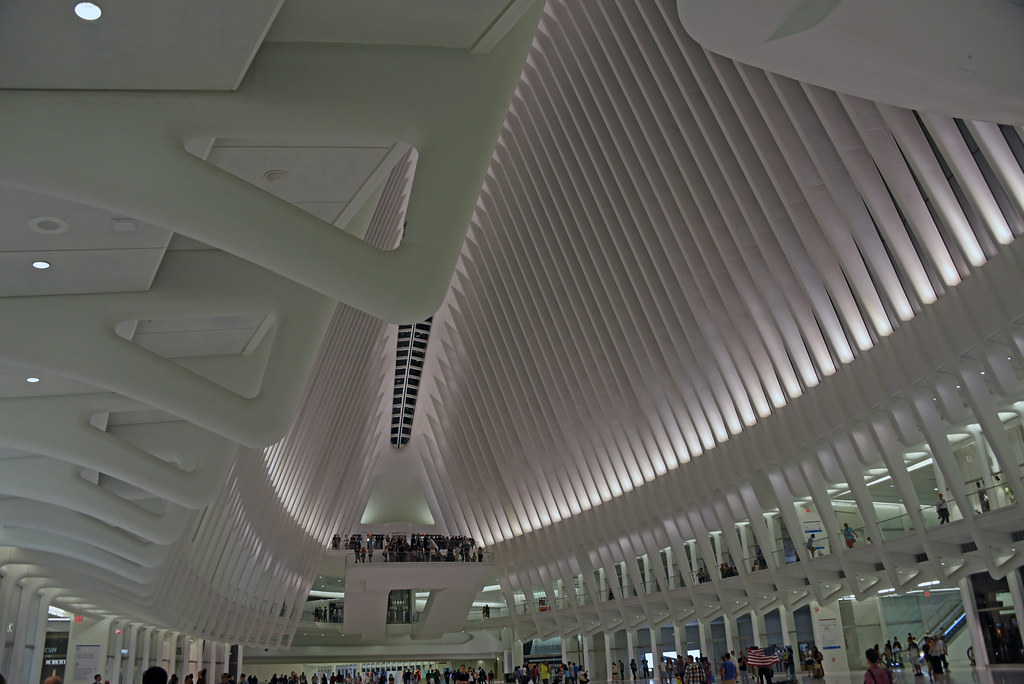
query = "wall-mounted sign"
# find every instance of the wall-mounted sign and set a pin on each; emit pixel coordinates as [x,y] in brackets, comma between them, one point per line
[87,663]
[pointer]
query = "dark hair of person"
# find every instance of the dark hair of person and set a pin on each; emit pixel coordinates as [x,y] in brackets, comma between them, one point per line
[154,675]
[872,656]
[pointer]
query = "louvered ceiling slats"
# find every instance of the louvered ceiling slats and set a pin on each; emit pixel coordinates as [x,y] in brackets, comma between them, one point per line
[670,247]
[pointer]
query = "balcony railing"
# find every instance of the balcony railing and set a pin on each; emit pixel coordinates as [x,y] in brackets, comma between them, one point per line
[352,558]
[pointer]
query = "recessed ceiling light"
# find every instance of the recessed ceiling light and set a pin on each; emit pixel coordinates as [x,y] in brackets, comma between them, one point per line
[48,225]
[275,176]
[31,379]
[88,11]
[41,265]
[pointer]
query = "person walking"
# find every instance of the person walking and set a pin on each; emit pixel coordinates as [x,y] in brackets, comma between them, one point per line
[692,672]
[849,535]
[728,670]
[876,674]
[942,508]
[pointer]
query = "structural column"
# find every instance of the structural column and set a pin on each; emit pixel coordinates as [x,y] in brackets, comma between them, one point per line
[115,670]
[776,552]
[27,602]
[630,650]
[705,643]
[758,629]
[35,666]
[585,642]
[133,641]
[973,626]
[181,666]
[147,638]
[881,618]
[679,637]
[788,627]
[655,638]
[730,632]
[200,655]
[608,636]
[716,545]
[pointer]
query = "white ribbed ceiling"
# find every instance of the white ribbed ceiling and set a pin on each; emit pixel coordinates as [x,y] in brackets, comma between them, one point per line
[671,246]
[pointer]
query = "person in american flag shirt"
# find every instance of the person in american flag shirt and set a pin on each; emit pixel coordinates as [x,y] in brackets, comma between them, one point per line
[763,659]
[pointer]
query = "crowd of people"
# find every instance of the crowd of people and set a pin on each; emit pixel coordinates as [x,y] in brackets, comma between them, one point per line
[332,612]
[158,675]
[407,676]
[544,673]
[927,654]
[418,548]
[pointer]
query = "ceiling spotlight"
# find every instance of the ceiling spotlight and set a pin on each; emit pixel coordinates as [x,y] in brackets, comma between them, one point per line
[41,265]
[89,11]
[275,176]
[31,379]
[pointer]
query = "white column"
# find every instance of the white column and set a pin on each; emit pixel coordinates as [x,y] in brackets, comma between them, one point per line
[702,630]
[585,645]
[115,669]
[517,654]
[773,554]
[828,635]
[788,629]
[746,552]
[23,623]
[241,671]
[730,633]
[881,619]
[200,656]
[159,652]
[181,667]
[757,628]
[35,666]
[655,638]
[133,641]
[608,655]
[565,655]
[716,545]
[973,626]
[631,647]
[679,637]
[940,484]
[147,638]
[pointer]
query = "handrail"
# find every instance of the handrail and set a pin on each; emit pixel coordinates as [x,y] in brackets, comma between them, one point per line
[377,558]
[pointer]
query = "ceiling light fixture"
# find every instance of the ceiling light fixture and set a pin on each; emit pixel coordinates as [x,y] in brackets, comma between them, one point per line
[89,11]
[31,379]
[41,265]
[275,176]
[48,225]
